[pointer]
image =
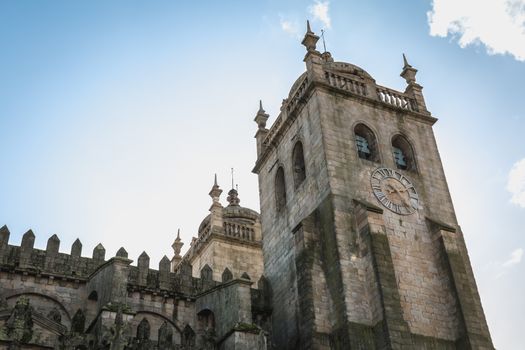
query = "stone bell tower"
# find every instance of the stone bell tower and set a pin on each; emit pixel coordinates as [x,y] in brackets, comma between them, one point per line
[361,244]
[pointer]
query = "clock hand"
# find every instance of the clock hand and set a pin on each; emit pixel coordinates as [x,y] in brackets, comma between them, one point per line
[407,203]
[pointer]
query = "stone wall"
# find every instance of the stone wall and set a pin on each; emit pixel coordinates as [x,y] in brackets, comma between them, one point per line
[239,257]
[96,303]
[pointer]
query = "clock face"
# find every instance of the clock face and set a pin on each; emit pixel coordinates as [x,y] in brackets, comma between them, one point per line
[394,191]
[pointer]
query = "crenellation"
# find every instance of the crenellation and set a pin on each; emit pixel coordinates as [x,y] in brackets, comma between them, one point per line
[143,268]
[164,272]
[99,253]
[53,245]
[4,244]
[26,249]
[76,249]
[122,253]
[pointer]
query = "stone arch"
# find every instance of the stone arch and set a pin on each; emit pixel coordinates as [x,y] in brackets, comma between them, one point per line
[366,143]
[298,164]
[54,302]
[403,153]
[280,189]
[154,314]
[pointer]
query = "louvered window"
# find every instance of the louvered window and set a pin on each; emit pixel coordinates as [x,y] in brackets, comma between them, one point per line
[400,158]
[362,147]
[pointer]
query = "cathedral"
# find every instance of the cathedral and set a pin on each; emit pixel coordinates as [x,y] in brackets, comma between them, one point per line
[357,245]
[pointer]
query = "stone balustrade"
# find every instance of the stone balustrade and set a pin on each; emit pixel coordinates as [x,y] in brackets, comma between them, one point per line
[346,83]
[396,98]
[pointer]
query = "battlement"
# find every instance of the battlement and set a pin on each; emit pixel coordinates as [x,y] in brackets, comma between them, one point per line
[28,260]
[49,261]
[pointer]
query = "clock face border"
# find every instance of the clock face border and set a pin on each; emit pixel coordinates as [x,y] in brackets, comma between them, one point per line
[399,184]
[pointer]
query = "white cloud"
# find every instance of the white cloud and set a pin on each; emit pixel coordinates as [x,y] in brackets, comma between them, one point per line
[497,24]
[320,12]
[516,183]
[515,258]
[290,27]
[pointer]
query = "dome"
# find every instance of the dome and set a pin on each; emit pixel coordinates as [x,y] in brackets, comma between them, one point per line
[233,213]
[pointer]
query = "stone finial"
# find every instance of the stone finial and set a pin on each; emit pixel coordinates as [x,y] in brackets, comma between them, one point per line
[413,89]
[245,276]
[310,39]
[53,245]
[76,248]
[122,253]
[233,198]
[99,252]
[261,117]
[177,245]
[215,191]
[216,207]
[409,72]
[405,62]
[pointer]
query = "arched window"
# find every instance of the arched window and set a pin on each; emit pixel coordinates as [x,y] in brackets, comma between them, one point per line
[403,153]
[165,336]
[188,337]
[365,142]
[207,273]
[227,275]
[206,320]
[143,330]
[93,296]
[78,322]
[299,169]
[280,190]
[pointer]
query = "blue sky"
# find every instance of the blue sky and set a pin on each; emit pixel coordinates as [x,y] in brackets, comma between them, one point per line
[116,114]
